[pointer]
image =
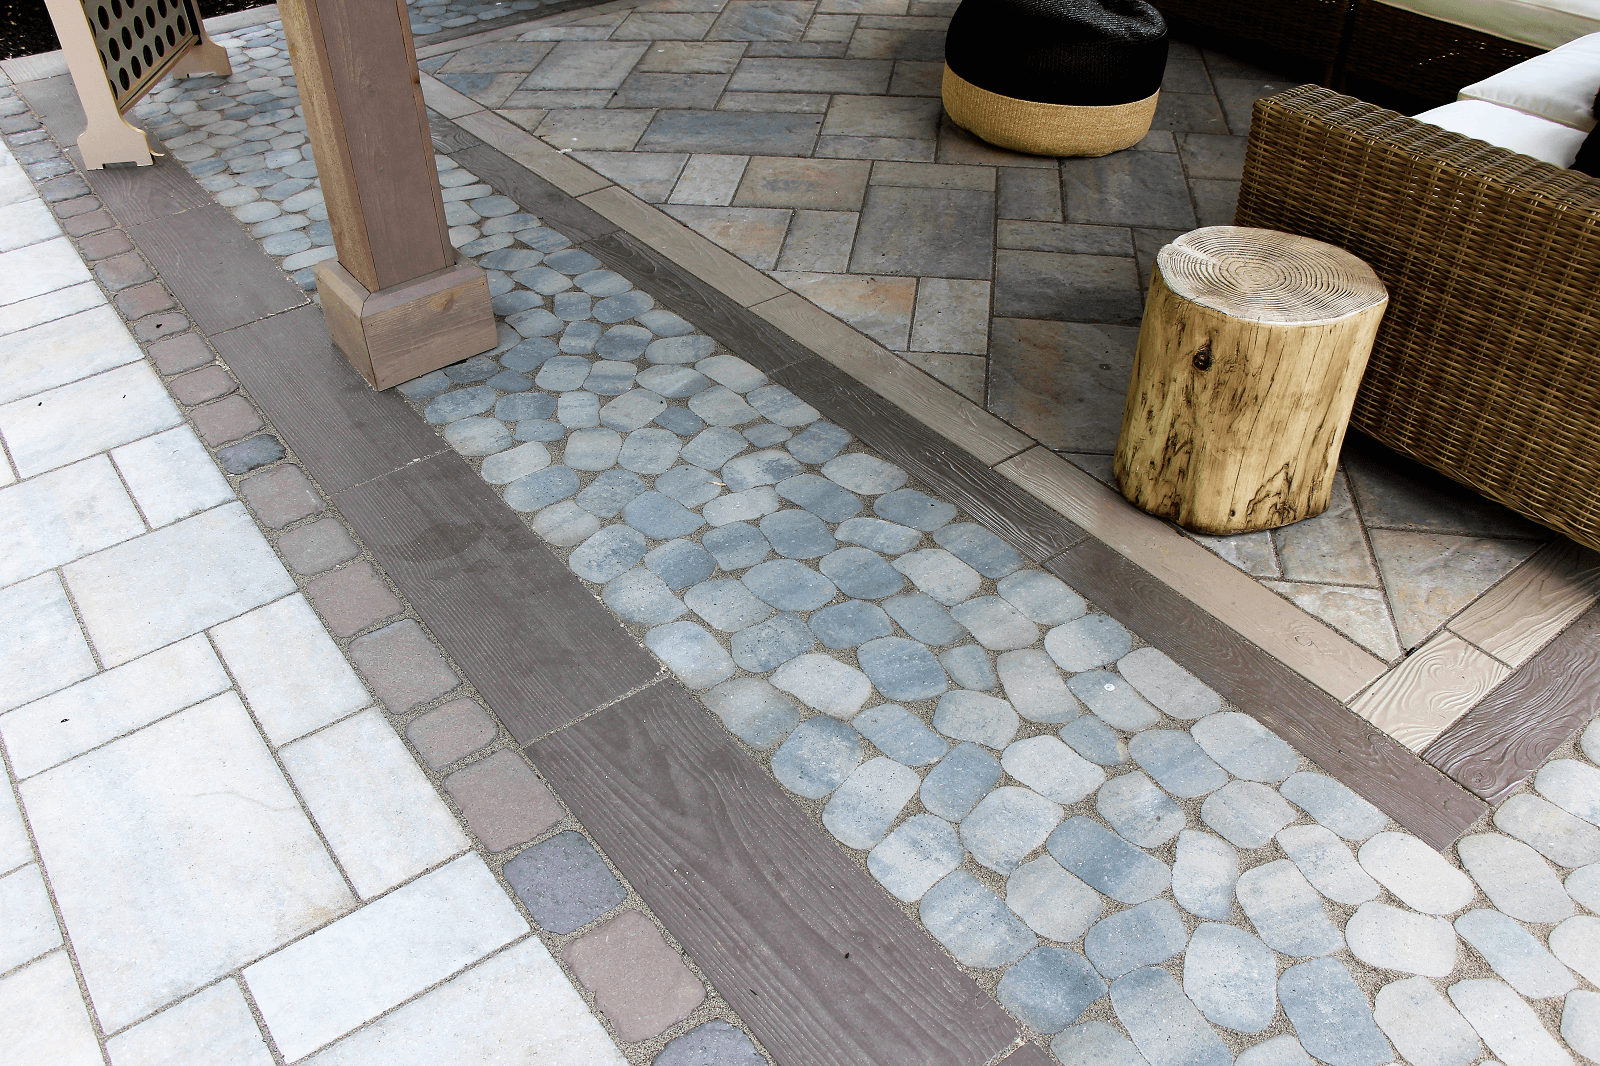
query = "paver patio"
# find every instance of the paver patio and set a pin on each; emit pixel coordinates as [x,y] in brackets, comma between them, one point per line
[1135,870]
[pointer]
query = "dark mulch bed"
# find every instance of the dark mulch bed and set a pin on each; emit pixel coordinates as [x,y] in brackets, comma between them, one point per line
[25,24]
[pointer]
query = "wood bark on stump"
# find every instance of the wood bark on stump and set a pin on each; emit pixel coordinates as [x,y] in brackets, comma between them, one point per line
[1252,348]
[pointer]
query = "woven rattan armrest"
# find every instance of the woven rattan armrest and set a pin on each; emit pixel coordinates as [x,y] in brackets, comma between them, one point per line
[1487,365]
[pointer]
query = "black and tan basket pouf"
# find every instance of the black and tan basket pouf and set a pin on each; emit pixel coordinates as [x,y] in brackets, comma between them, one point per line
[1055,77]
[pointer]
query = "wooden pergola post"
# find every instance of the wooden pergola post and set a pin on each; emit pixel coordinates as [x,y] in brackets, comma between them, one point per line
[397,302]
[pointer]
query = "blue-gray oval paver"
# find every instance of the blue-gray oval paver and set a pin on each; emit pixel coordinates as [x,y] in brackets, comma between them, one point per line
[940,575]
[540,429]
[1007,825]
[908,507]
[1389,938]
[1286,911]
[772,643]
[1050,988]
[511,259]
[543,238]
[1327,863]
[1035,687]
[642,598]
[726,605]
[716,1043]
[850,624]
[505,467]
[1103,860]
[529,355]
[823,683]
[1144,935]
[648,451]
[820,496]
[1181,766]
[511,381]
[424,388]
[571,306]
[494,206]
[736,545]
[625,344]
[1044,598]
[663,323]
[622,306]
[462,403]
[959,780]
[1557,835]
[535,321]
[713,446]
[1330,1014]
[478,368]
[509,303]
[1424,1028]
[996,624]
[902,669]
[817,757]
[579,338]
[979,548]
[563,373]
[1204,874]
[680,420]
[969,667]
[1087,642]
[606,495]
[610,377]
[609,553]
[797,534]
[782,406]
[1168,685]
[572,261]
[660,517]
[915,856]
[864,474]
[542,488]
[1246,813]
[690,652]
[1113,699]
[478,436]
[858,572]
[1053,902]
[731,372]
[680,563]
[753,711]
[689,485]
[877,535]
[679,349]
[818,443]
[746,506]
[901,735]
[1515,878]
[1167,1029]
[564,883]
[973,923]
[765,434]
[594,448]
[924,618]
[1334,805]
[964,715]
[1094,740]
[565,524]
[788,585]
[1244,747]
[1232,977]
[1052,769]
[862,809]
[601,283]
[721,406]
[1139,811]
[1095,1044]
[759,468]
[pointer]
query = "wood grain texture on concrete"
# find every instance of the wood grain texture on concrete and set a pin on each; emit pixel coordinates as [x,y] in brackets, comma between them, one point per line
[930,402]
[445,100]
[1027,1055]
[1307,646]
[215,269]
[1510,733]
[138,195]
[343,431]
[694,253]
[562,171]
[1536,601]
[536,644]
[1430,689]
[819,962]
[1388,775]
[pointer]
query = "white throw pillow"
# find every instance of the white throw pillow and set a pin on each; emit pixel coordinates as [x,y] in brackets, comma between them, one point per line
[1509,128]
[1540,23]
[1559,85]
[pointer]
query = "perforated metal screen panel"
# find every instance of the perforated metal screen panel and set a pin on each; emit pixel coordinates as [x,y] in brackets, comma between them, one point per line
[139,40]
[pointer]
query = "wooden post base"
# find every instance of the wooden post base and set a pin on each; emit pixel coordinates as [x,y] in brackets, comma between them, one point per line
[400,333]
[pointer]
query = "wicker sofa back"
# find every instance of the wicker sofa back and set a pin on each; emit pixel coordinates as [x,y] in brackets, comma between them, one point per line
[1487,364]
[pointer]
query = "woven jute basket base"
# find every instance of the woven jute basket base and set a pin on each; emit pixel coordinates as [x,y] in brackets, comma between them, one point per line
[1046,129]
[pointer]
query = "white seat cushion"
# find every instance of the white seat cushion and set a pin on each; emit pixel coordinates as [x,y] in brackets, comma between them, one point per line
[1559,85]
[1540,23]
[1509,128]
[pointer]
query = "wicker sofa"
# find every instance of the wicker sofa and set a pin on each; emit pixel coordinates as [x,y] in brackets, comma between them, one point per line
[1487,365]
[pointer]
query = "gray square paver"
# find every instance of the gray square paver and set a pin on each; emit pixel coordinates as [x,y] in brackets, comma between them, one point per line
[584,65]
[955,241]
[48,430]
[731,132]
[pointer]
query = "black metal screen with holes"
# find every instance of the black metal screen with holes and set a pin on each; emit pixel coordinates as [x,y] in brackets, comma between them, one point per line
[140,40]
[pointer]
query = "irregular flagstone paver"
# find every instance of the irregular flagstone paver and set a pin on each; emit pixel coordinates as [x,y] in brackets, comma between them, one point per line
[1515,878]
[1393,939]
[1138,810]
[1053,902]
[1108,863]
[862,809]
[1168,685]
[1140,936]
[1514,954]
[1416,873]
[1164,1024]
[1334,805]
[1204,875]
[1232,977]
[1507,1024]
[1177,762]
[1285,910]
[1248,814]
[1007,825]
[1330,1014]
[1423,1026]
[1052,769]
[1244,747]
[915,856]
[973,923]
[1328,864]
[1050,988]
[954,786]
[1553,832]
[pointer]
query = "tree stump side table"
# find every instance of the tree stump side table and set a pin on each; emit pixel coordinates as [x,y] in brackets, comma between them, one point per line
[1252,348]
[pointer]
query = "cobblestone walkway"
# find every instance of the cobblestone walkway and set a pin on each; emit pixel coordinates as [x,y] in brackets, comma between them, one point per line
[1139,873]
[215,847]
